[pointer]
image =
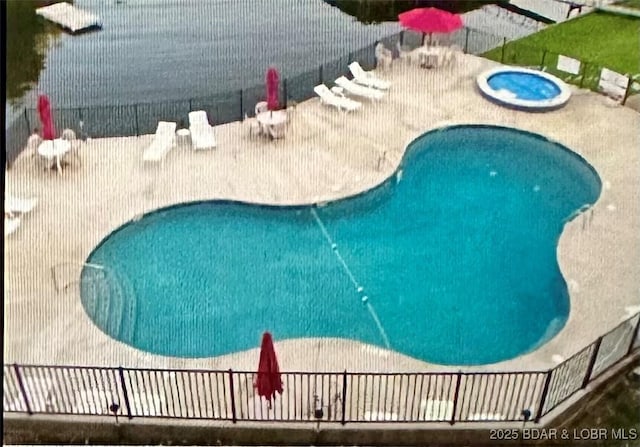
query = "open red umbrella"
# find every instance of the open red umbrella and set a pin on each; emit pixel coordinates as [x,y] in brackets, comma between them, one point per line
[44,111]
[430,20]
[268,381]
[273,79]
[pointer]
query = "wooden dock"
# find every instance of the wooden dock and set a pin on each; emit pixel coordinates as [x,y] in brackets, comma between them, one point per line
[69,17]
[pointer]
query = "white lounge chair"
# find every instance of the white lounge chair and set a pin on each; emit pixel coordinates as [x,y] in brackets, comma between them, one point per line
[329,98]
[162,143]
[14,205]
[202,133]
[11,224]
[359,90]
[367,78]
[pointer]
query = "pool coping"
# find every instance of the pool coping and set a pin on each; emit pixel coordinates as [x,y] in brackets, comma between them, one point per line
[392,178]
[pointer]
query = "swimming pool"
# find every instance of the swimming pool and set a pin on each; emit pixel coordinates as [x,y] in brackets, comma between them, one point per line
[452,260]
[523,88]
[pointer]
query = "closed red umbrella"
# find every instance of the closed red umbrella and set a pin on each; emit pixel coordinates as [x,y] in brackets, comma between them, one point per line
[44,111]
[268,381]
[430,20]
[273,79]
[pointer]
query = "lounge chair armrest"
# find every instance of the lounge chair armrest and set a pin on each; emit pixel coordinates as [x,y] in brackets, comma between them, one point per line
[338,91]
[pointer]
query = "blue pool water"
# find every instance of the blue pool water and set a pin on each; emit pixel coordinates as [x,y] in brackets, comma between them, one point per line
[456,255]
[527,86]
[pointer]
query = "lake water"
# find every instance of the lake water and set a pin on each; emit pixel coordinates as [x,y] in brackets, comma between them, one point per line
[164,50]
[158,50]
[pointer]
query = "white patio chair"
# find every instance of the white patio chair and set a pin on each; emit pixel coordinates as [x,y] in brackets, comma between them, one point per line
[70,136]
[359,90]
[404,53]
[261,107]
[331,99]
[456,53]
[384,56]
[252,125]
[202,133]
[367,78]
[14,205]
[163,142]
[278,131]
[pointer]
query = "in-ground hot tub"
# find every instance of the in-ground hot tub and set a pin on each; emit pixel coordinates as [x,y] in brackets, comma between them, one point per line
[524,89]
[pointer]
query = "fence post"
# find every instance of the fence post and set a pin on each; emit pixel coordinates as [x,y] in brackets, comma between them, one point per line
[592,362]
[241,106]
[455,398]
[135,110]
[125,393]
[504,44]
[16,368]
[284,92]
[635,331]
[624,100]
[26,118]
[584,73]
[320,80]
[190,105]
[401,37]
[544,54]
[543,399]
[344,397]
[234,418]
[466,40]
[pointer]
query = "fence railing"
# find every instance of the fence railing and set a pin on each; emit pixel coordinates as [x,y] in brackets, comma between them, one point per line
[587,75]
[334,397]
[226,107]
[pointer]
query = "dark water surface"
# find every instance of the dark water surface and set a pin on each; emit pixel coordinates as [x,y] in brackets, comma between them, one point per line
[157,50]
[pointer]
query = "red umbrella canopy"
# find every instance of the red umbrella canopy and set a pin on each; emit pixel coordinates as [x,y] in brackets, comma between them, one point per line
[268,381]
[44,111]
[430,20]
[273,78]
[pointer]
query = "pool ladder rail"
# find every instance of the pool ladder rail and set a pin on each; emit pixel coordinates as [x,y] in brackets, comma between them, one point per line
[63,287]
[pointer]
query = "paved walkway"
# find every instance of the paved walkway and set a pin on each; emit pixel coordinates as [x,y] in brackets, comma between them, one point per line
[621,10]
[325,156]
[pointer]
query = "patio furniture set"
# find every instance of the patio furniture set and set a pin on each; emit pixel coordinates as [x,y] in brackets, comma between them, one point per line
[199,136]
[270,123]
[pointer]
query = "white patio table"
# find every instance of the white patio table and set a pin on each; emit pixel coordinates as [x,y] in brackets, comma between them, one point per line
[54,150]
[429,57]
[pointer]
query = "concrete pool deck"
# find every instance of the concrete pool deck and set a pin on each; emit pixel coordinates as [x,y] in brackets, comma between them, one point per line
[325,156]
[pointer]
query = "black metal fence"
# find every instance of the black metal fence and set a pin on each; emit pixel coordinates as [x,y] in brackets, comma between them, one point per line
[588,76]
[224,107]
[336,397]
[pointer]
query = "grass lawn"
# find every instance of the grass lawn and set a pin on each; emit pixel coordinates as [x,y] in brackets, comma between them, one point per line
[600,39]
